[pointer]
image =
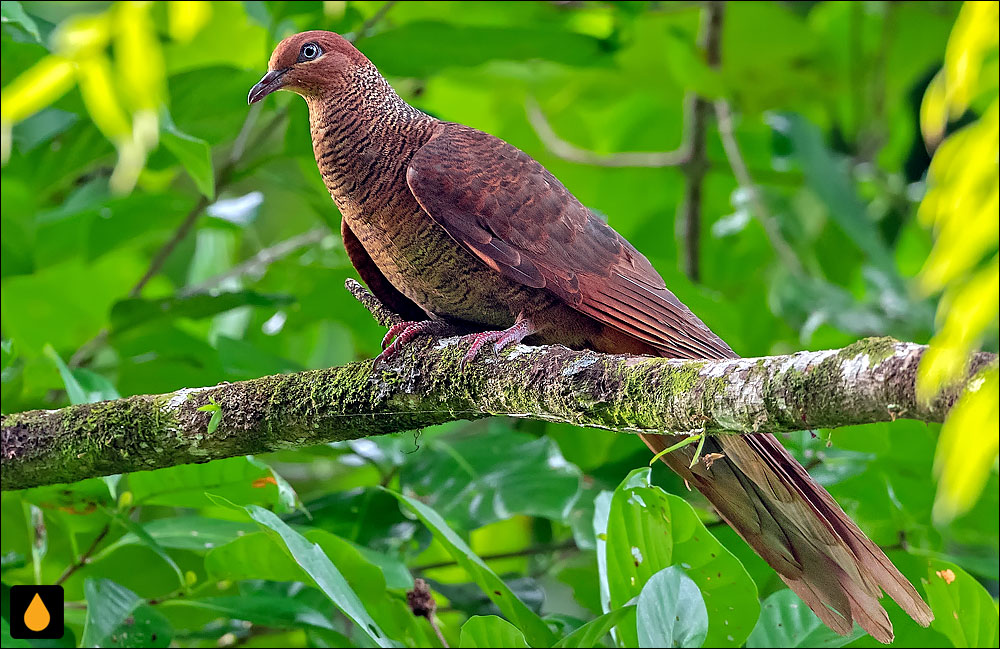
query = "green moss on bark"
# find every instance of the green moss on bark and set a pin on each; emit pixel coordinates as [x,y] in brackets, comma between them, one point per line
[877,349]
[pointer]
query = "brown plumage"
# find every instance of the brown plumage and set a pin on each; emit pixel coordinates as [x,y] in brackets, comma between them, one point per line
[448,223]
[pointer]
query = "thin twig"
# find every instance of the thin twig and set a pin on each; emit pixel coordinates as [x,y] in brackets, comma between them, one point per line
[256,265]
[432,620]
[365,30]
[573,153]
[724,117]
[85,557]
[168,248]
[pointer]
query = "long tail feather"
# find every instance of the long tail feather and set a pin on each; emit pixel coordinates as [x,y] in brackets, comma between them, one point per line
[798,528]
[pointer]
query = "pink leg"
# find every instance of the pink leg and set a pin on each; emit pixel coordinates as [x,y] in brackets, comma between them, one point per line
[500,339]
[395,330]
[404,332]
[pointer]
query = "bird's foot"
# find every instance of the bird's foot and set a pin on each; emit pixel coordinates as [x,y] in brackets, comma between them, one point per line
[500,339]
[403,332]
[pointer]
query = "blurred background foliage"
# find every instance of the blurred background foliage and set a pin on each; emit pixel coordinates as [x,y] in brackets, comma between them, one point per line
[158,234]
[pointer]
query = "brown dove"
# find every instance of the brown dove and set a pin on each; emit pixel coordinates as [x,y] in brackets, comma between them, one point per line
[450,226]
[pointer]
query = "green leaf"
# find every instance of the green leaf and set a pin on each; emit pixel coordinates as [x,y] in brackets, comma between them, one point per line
[260,556]
[82,386]
[146,539]
[967,447]
[534,628]
[490,631]
[258,608]
[13,13]
[323,573]
[591,633]
[502,474]
[649,530]
[828,177]
[417,48]
[132,312]
[671,611]
[195,155]
[785,621]
[239,479]
[216,411]
[117,617]
[185,533]
[963,610]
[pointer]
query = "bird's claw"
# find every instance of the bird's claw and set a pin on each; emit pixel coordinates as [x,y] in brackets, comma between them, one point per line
[479,341]
[395,330]
[403,332]
[500,339]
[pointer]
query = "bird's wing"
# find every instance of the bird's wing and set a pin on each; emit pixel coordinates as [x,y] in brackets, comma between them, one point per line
[508,210]
[376,281]
[505,208]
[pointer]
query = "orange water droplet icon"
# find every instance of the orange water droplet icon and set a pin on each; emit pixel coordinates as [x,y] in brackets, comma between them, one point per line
[37,616]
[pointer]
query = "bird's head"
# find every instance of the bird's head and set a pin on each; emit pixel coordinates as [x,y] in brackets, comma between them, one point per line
[310,64]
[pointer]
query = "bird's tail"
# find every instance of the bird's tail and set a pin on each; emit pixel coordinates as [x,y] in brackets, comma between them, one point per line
[798,528]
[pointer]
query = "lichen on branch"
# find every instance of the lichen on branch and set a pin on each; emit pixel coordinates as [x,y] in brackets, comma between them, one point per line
[869,381]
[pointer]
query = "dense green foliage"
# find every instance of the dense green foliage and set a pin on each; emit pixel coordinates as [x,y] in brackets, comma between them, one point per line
[123,124]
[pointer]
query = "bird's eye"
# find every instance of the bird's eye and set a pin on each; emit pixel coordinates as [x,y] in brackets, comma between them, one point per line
[309,52]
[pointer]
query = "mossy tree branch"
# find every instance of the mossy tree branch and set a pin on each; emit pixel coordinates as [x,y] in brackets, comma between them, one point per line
[870,381]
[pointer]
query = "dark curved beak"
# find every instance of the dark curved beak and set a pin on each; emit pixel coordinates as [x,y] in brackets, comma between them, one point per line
[268,84]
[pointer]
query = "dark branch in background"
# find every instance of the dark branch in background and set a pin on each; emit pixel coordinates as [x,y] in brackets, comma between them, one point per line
[690,157]
[698,111]
[85,557]
[870,381]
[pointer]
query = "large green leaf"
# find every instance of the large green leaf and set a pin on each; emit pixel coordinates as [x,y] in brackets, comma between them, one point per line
[589,634]
[649,530]
[136,530]
[321,571]
[534,628]
[117,617]
[186,533]
[418,48]
[82,386]
[785,621]
[12,13]
[671,611]
[258,608]
[489,631]
[473,481]
[963,610]
[238,479]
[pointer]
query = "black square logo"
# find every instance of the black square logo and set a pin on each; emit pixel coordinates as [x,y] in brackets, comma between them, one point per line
[36,612]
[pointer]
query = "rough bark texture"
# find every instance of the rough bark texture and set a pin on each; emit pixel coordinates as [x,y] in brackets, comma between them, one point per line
[869,381]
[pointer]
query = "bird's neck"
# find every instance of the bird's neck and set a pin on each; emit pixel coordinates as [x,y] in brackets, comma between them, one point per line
[364,135]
